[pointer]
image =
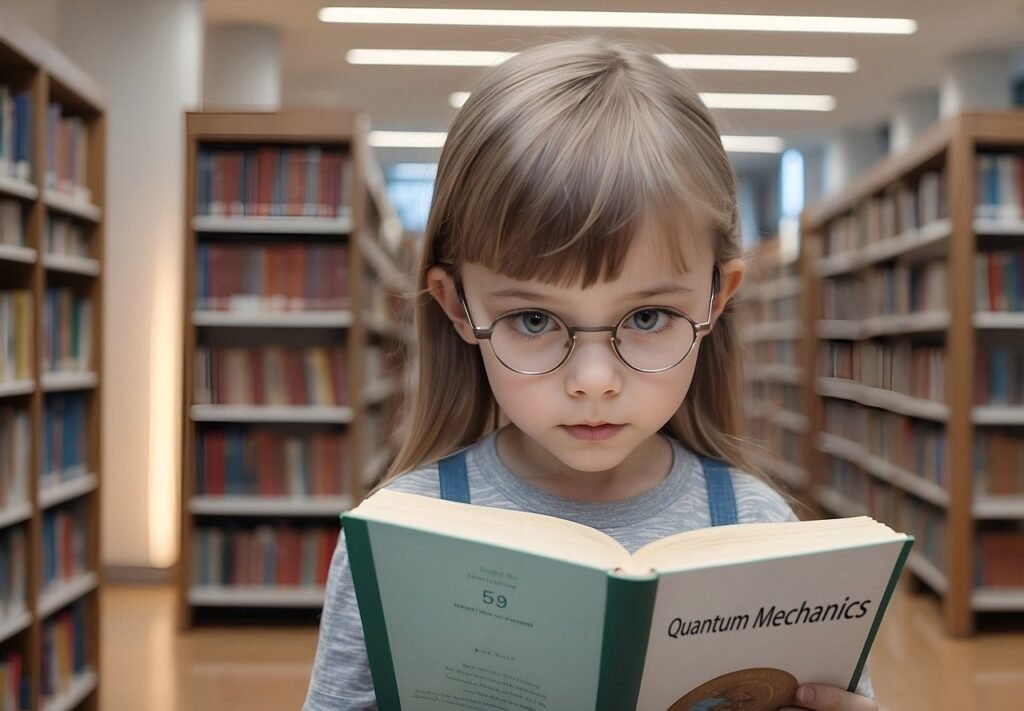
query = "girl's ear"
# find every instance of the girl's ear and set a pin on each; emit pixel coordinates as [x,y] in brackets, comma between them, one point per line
[730,277]
[442,289]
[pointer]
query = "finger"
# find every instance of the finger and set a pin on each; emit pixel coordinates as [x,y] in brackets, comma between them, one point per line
[819,697]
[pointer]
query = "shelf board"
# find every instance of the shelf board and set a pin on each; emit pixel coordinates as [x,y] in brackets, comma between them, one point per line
[14,388]
[285,319]
[378,392]
[81,686]
[883,399]
[15,253]
[998,507]
[13,624]
[995,226]
[780,288]
[926,571]
[305,414]
[14,187]
[854,330]
[62,202]
[839,504]
[791,421]
[71,264]
[924,242]
[789,374]
[998,600]
[998,415]
[15,514]
[311,506]
[773,331]
[341,225]
[1008,320]
[54,494]
[254,596]
[62,594]
[58,382]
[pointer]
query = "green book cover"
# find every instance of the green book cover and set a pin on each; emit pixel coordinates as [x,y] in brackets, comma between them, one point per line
[469,607]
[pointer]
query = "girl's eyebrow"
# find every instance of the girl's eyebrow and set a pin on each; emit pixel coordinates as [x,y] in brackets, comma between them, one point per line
[660,290]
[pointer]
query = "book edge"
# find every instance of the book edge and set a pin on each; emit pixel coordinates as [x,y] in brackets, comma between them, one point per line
[893,580]
[629,610]
[371,612]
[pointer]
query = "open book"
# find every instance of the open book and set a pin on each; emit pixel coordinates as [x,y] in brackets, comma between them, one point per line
[468,607]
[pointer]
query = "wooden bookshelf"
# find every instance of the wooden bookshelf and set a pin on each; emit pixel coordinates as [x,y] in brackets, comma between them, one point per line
[771,333]
[908,389]
[243,171]
[35,261]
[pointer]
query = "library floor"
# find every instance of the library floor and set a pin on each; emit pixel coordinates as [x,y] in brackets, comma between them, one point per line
[147,664]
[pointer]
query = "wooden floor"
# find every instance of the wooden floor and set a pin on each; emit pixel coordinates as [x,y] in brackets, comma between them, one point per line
[148,665]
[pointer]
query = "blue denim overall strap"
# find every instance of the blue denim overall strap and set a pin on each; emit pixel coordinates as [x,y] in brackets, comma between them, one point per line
[454,479]
[721,497]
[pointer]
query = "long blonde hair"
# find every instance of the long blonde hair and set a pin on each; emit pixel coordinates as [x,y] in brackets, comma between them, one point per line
[562,155]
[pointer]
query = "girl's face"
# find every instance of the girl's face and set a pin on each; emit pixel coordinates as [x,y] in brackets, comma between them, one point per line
[563,411]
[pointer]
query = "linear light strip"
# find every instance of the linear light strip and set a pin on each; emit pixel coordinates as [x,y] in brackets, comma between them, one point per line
[643,20]
[711,62]
[435,139]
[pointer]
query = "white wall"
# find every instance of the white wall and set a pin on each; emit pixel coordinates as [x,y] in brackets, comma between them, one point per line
[40,15]
[147,55]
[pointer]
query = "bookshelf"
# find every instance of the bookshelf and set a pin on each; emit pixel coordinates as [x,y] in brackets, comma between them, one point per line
[915,315]
[52,162]
[772,330]
[294,353]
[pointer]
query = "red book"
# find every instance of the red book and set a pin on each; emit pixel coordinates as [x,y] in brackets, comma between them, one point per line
[326,552]
[258,385]
[264,463]
[339,379]
[295,377]
[296,183]
[266,167]
[995,283]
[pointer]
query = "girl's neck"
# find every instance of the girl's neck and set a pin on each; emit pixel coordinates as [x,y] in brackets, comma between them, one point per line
[646,467]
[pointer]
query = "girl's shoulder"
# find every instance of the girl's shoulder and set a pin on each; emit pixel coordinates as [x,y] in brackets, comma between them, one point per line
[757,501]
[423,481]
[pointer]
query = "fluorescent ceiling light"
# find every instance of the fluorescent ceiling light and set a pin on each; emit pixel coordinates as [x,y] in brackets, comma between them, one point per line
[647,20]
[764,102]
[714,62]
[760,63]
[435,139]
[427,57]
[407,139]
[753,144]
[770,102]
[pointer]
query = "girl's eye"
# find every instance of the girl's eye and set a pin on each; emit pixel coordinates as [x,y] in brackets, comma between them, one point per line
[533,323]
[649,320]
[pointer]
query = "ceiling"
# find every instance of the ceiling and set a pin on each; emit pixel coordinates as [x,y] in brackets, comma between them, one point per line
[315,72]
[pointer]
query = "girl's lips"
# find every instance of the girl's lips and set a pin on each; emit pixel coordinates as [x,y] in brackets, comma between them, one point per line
[593,433]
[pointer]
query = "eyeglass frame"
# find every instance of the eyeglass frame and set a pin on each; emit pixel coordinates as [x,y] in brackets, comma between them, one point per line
[484,334]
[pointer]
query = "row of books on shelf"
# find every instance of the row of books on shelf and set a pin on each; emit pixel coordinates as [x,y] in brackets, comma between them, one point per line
[64,651]
[67,331]
[66,236]
[14,683]
[886,290]
[262,555]
[16,335]
[65,422]
[15,456]
[918,371]
[999,462]
[786,309]
[12,223]
[64,544]
[13,572]
[999,280]
[273,181]
[779,352]
[271,375]
[272,277]
[913,445]
[999,375]
[903,207]
[66,156]
[999,190]
[15,133]
[260,461]
[998,557]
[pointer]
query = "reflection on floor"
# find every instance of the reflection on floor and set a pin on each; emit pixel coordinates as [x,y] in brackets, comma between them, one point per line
[148,665]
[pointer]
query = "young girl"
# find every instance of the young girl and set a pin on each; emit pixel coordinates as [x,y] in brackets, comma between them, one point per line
[577,272]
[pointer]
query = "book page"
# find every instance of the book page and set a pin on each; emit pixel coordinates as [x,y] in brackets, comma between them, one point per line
[474,626]
[745,631]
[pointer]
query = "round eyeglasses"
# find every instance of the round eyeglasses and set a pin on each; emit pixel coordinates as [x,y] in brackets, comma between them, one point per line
[648,339]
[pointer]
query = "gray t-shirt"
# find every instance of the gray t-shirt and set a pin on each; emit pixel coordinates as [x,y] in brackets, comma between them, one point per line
[341,674]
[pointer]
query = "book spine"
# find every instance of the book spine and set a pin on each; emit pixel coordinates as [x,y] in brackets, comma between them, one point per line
[371,611]
[629,608]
